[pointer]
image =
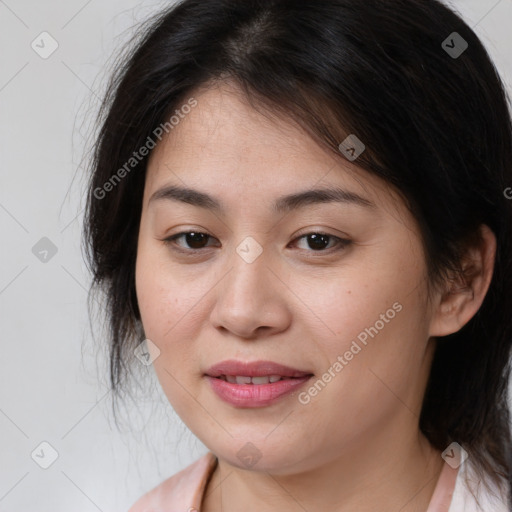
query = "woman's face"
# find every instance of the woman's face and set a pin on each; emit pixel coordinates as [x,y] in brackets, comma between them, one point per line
[350,318]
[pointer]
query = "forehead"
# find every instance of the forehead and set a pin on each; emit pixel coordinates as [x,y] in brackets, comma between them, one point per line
[227,147]
[228,133]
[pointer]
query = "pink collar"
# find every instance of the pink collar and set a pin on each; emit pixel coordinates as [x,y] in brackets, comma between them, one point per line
[185,490]
[442,497]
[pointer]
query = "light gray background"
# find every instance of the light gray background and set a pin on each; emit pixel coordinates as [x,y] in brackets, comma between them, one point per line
[53,380]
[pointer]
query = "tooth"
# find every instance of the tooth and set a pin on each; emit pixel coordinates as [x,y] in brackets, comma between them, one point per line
[274,378]
[260,380]
[231,378]
[242,380]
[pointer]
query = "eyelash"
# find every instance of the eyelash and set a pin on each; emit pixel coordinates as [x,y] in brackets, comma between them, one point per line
[341,243]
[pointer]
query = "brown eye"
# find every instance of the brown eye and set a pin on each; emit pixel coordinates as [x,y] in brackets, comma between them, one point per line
[318,242]
[193,240]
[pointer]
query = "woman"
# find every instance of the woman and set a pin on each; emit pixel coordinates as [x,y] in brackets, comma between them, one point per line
[297,212]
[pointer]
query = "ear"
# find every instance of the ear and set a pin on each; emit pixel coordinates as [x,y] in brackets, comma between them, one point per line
[463,295]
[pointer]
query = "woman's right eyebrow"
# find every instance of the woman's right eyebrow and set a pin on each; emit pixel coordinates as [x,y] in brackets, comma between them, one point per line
[283,204]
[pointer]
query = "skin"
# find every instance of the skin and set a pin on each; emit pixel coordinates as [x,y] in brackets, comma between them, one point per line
[356,445]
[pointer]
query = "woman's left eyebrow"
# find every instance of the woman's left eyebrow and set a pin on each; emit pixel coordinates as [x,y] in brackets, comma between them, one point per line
[281,205]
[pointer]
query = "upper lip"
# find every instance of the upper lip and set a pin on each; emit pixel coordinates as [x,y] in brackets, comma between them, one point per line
[253,369]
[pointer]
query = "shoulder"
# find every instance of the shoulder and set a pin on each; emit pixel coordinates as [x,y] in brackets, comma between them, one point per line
[471,495]
[181,491]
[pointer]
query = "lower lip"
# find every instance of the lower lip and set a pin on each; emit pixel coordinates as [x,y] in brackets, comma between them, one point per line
[254,395]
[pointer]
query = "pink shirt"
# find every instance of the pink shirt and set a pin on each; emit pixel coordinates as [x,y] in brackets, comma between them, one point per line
[184,492]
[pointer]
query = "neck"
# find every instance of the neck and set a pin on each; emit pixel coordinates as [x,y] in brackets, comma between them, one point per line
[402,476]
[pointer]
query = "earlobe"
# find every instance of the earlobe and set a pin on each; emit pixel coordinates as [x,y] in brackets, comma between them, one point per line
[465,293]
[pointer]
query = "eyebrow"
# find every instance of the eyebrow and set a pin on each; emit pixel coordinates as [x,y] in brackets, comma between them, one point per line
[281,205]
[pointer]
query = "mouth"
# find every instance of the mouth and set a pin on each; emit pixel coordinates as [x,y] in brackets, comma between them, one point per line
[254,384]
[256,381]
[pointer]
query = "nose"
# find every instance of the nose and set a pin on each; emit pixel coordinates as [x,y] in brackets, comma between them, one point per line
[251,300]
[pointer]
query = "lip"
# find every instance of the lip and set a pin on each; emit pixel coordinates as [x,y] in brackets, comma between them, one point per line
[254,395]
[253,369]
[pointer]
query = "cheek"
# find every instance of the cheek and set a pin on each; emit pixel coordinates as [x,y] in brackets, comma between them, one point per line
[157,295]
[345,303]
[170,304]
[374,318]
[167,316]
